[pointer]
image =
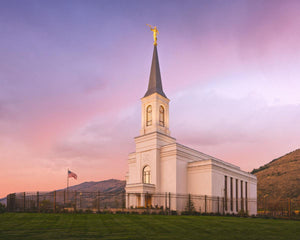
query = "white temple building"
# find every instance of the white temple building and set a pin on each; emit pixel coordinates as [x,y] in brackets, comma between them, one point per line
[162,172]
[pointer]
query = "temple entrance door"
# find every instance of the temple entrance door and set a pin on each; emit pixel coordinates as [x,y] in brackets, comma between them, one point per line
[138,200]
[148,201]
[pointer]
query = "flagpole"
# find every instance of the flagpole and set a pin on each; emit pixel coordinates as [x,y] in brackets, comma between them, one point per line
[68,180]
[68,184]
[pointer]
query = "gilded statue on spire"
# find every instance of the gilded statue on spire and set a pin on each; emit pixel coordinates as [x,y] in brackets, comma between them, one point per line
[155,33]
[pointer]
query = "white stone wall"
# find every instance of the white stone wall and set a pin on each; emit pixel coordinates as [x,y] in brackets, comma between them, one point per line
[182,177]
[200,181]
[177,169]
[168,174]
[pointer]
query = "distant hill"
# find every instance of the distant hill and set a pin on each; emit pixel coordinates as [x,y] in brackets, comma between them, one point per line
[3,201]
[106,186]
[280,178]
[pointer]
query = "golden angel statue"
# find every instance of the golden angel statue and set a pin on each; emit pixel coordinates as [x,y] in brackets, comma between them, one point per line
[155,33]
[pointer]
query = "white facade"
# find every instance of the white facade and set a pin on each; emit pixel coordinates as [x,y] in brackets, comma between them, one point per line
[162,170]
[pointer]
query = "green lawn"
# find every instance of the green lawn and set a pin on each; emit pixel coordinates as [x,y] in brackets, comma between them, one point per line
[107,226]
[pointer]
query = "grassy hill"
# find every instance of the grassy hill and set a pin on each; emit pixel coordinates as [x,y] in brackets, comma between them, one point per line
[280,178]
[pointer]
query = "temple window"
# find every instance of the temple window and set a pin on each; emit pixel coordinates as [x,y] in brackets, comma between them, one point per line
[161,116]
[146,174]
[149,116]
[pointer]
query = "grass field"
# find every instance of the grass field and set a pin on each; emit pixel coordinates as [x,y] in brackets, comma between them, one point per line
[108,226]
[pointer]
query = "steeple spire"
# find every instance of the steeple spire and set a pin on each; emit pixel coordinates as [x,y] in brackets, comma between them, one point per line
[155,85]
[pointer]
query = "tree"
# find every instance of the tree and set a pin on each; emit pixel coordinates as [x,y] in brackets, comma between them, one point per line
[2,208]
[190,205]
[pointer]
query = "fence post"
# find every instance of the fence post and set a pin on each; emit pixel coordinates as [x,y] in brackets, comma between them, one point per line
[80,194]
[9,207]
[123,201]
[205,202]
[75,198]
[8,204]
[289,207]
[189,202]
[242,203]
[166,201]
[223,205]
[54,201]
[169,202]
[24,202]
[38,201]
[64,198]
[98,201]
[218,205]
[11,202]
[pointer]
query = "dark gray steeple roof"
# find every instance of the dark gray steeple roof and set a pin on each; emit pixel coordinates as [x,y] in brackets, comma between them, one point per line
[155,85]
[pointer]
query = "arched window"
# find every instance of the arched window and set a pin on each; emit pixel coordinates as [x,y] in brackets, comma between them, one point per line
[149,116]
[146,174]
[161,116]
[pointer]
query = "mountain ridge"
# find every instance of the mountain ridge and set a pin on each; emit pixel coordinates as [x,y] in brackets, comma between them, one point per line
[113,186]
[107,186]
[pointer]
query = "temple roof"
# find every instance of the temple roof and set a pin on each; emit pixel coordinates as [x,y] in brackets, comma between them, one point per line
[155,85]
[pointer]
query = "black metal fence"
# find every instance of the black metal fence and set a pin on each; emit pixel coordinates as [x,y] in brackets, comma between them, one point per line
[77,201]
[278,207]
[64,201]
[191,203]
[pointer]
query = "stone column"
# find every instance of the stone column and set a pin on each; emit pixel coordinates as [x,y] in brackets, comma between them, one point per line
[142,200]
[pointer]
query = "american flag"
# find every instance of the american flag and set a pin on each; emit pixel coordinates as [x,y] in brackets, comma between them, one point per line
[71,174]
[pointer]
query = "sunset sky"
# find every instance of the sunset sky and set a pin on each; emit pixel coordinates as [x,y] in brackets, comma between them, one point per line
[72,74]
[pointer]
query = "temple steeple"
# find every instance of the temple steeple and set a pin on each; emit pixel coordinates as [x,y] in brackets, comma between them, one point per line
[155,104]
[155,85]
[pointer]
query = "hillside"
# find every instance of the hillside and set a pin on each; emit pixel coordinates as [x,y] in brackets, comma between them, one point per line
[107,186]
[3,201]
[280,178]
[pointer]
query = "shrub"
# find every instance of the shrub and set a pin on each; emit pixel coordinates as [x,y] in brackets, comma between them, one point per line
[174,213]
[242,213]
[65,210]
[2,208]
[134,212]
[121,212]
[162,212]
[107,211]
[46,206]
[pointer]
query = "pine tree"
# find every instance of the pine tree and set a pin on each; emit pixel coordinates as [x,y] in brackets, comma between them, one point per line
[190,205]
